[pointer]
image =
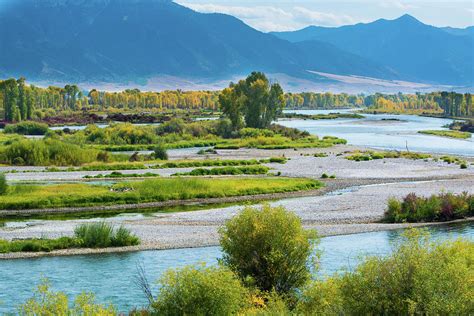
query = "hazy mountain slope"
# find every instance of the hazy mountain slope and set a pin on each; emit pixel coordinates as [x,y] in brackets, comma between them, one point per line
[414,50]
[116,40]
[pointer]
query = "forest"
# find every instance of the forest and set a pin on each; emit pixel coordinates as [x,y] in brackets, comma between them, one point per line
[20,101]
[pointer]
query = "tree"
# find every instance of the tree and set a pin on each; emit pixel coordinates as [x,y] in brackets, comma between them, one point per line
[254,99]
[269,247]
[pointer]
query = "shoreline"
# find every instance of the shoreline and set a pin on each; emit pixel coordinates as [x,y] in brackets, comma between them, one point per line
[364,228]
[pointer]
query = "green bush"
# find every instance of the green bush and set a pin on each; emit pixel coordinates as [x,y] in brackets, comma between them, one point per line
[200,291]
[418,278]
[47,302]
[268,247]
[3,184]
[160,153]
[102,235]
[442,207]
[27,128]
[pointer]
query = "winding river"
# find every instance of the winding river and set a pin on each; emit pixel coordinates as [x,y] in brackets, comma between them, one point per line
[384,131]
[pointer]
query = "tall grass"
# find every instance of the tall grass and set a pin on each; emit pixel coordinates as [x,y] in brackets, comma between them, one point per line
[102,235]
[226,171]
[150,190]
[90,235]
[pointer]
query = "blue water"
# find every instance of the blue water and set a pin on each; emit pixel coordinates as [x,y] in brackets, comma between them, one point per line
[381,131]
[111,276]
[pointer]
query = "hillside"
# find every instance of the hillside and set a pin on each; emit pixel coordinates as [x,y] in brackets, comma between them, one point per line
[416,51]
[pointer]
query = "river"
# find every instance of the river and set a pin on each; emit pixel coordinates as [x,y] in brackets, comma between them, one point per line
[111,276]
[385,131]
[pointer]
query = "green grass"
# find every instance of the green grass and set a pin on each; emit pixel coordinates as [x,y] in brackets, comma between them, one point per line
[374,155]
[91,235]
[226,171]
[150,190]
[445,133]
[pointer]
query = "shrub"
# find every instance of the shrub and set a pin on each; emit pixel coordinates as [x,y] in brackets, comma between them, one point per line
[102,235]
[324,176]
[200,291]
[442,207]
[268,247]
[3,184]
[160,153]
[27,128]
[417,278]
[46,152]
[47,302]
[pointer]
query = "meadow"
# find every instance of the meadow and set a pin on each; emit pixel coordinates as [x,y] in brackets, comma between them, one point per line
[150,190]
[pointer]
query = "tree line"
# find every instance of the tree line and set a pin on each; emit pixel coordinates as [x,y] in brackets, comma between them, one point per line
[20,101]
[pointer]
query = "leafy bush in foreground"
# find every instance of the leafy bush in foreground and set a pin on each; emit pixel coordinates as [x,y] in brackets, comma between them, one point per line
[47,302]
[418,278]
[200,291]
[268,247]
[442,207]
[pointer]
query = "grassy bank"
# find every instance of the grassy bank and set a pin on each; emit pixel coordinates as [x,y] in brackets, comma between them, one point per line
[450,134]
[226,171]
[93,235]
[150,190]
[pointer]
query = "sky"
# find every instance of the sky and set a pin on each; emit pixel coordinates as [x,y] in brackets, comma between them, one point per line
[288,15]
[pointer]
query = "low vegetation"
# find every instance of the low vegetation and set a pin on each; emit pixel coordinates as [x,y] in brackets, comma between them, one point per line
[445,133]
[442,207]
[200,290]
[27,128]
[91,235]
[373,155]
[150,190]
[45,153]
[225,171]
[48,302]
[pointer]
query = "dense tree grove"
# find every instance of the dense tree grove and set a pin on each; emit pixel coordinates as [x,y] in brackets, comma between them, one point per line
[255,99]
[446,103]
[20,101]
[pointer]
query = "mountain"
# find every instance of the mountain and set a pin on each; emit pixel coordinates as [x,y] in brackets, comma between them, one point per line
[469,31]
[119,41]
[414,50]
[114,40]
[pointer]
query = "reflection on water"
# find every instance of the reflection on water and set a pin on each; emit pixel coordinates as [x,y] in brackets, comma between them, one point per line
[391,132]
[111,276]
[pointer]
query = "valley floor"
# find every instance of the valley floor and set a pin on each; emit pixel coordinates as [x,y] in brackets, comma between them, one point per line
[353,202]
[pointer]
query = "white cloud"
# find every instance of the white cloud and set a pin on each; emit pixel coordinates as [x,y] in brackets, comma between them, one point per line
[397,4]
[270,18]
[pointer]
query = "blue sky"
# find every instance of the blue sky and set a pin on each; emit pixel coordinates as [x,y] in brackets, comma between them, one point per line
[290,15]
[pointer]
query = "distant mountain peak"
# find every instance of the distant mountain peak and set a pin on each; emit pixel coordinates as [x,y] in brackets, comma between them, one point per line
[407,18]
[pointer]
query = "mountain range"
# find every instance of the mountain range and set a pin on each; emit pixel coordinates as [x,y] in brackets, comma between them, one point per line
[122,40]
